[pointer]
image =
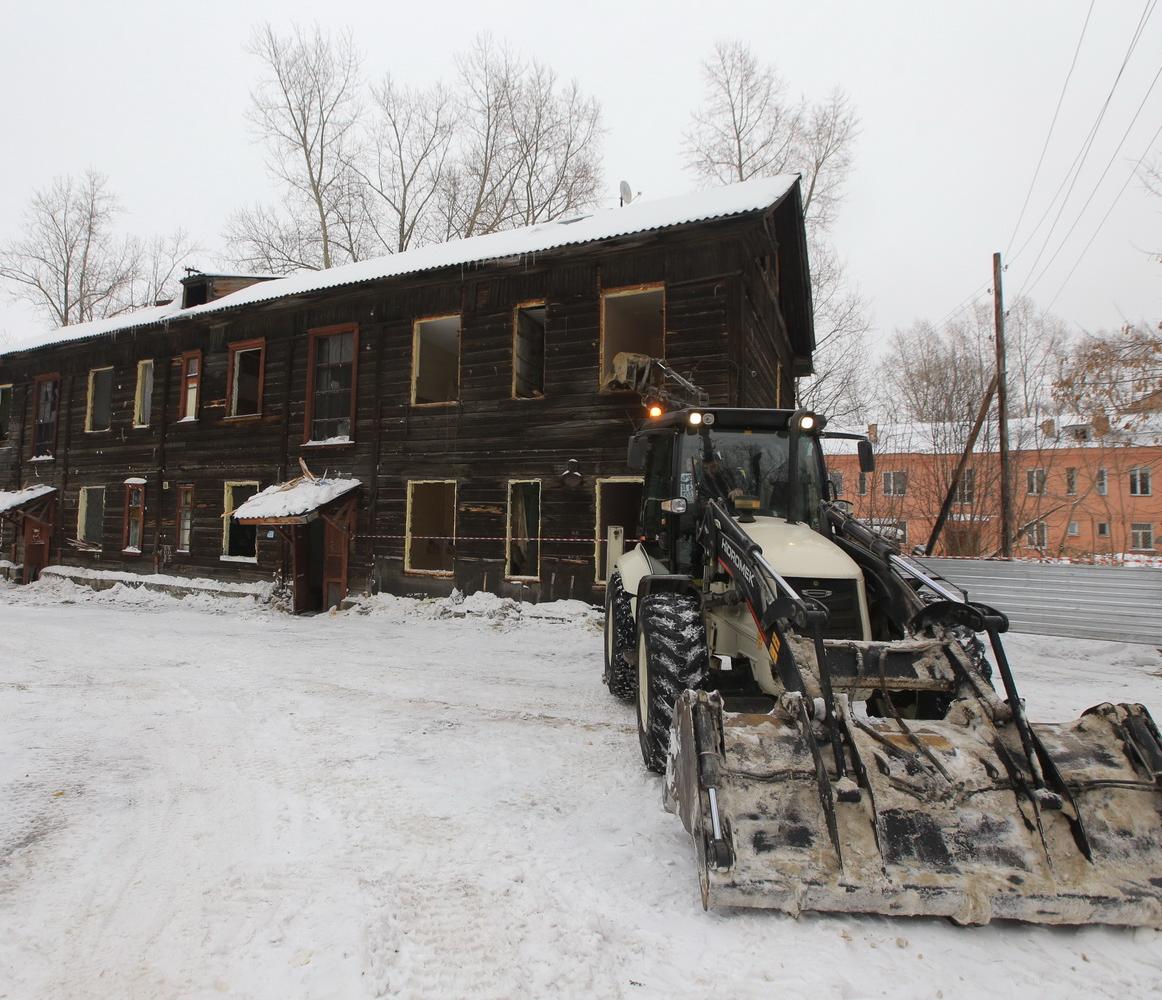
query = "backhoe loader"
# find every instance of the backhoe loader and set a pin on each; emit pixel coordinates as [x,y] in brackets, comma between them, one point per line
[824,712]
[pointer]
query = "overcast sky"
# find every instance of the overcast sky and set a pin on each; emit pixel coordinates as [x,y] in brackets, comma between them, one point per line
[955,102]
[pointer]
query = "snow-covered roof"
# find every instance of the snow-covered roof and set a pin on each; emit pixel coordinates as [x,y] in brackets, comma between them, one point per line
[640,216]
[11,499]
[294,499]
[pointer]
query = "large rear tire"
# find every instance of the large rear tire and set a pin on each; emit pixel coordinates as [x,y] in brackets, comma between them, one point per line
[620,675]
[672,656]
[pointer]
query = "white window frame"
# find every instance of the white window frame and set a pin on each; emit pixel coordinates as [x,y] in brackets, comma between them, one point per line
[1035,482]
[1071,482]
[407,541]
[142,417]
[599,542]
[1141,529]
[89,429]
[1037,534]
[82,513]
[1074,529]
[508,529]
[966,488]
[895,475]
[1139,477]
[227,509]
[1102,483]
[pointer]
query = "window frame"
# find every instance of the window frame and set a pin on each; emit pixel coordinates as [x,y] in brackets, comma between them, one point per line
[509,534]
[139,411]
[130,489]
[965,495]
[5,387]
[620,292]
[233,350]
[1101,481]
[861,485]
[1073,529]
[82,516]
[408,569]
[93,372]
[1035,477]
[313,337]
[516,311]
[598,541]
[1103,529]
[416,324]
[183,387]
[228,497]
[895,474]
[184,508]
[1071,481]
[1139,528]
[56,417]
[1037,534]
[1136,475]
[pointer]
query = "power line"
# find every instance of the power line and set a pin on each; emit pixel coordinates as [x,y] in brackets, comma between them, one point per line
[1052,125]
[1074,171]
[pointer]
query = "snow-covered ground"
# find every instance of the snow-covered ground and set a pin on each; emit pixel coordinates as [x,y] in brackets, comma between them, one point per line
[206,798]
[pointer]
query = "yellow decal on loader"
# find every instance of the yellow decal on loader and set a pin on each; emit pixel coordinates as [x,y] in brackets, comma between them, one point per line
[775,646]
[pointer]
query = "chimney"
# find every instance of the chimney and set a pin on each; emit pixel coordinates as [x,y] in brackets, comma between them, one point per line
[1048,428]
[1101,424]
[873,432]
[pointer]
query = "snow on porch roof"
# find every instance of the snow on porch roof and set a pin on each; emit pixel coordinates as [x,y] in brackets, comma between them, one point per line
[12,499]
[294,499]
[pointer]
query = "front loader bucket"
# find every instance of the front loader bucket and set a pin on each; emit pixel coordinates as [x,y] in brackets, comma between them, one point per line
[955,828]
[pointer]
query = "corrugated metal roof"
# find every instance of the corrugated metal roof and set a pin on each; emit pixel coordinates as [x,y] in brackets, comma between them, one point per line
[639,217]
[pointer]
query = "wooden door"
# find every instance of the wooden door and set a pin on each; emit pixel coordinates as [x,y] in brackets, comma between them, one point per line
[335,546]
[300,568]
[37,540]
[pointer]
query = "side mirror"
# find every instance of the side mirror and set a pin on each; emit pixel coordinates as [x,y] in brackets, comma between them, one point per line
[867,457]
[636,458]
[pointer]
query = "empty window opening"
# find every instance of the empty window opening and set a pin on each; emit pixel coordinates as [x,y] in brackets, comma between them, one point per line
[632,321]
[91,516]
[191,385]
[47,398]
[5,410]
[245,390]
[331,413]
[436,360]
[134,517]
[185,517]
[619,504]
[431,528]
[99,411]
[524,529]
[528,352]
[239,541]
[143,396]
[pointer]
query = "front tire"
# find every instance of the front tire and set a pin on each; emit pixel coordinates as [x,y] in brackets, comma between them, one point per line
[620,672]
[672,656]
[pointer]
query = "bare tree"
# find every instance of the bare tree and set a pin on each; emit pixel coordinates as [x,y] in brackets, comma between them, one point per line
[305,110]
[749,126]
[72,266]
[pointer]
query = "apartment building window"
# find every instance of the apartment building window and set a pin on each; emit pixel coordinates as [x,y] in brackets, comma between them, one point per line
[239,541]
[836,479]
[99,404]
[430,546]
[244,378]
[436,360]
[633,320]
[191,385]
[5,410]
[185,523]
[895,484]
[1140,482]
[966,487]
[331,376]
[524,529]
[1071,482]
[91,516]
[1103,529]
[1102,483]
[1142,537]
[143,395]
[861,485]
[1037,534]
[1074,529]
[134,528]
[528,351]
[46,397]
[1035,482]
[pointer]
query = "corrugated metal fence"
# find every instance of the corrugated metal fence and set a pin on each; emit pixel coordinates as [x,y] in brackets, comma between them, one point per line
[1089,602]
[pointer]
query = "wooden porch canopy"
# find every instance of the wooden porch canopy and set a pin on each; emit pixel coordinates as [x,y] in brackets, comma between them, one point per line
[32,502]
[298,501]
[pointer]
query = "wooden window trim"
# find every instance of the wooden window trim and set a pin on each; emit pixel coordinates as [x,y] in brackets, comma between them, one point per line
[508,529]
[416,323]
[189,418]
[614,293]
[599,542]
[140,425]
[439,573]
[227,496]
[56,423]
[313,336]
[125,550]
[516,311]
[82,511]
[257,344]
[181,509]
[89,402]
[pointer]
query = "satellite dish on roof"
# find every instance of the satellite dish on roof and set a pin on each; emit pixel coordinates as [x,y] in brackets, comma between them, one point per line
[626,193]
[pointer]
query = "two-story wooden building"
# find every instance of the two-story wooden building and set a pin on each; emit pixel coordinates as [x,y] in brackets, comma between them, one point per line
[457,406]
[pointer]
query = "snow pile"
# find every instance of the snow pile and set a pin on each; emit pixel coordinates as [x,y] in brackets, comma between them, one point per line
[479,605]
[11,499]
[52,589]
[261,590]
[295,498]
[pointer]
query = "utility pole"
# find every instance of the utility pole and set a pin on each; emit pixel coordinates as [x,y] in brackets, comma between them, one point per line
[1003,414]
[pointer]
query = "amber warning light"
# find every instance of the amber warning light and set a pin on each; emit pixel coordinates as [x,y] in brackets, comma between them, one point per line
[655,410]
